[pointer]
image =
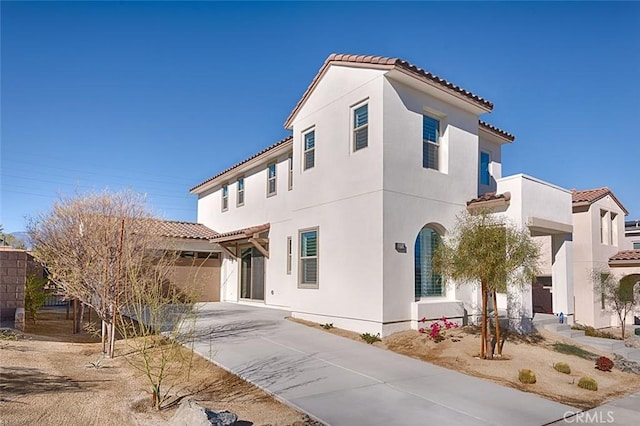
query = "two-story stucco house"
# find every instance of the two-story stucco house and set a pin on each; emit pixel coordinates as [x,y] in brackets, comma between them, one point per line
[338,221]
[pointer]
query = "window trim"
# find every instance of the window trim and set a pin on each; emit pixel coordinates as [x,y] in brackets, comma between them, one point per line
[305,150]
[274,178]
[289,248]
[355,129]
[315,285]
[240,193]
[437,144]
[224,197]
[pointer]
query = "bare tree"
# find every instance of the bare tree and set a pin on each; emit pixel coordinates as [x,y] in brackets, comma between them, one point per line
[486,248]
[84,242]
[158,322]
[619,295]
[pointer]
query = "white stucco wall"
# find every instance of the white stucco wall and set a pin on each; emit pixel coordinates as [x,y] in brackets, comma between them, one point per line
[415,196]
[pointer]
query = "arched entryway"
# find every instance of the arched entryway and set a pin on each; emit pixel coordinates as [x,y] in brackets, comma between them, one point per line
[427,282]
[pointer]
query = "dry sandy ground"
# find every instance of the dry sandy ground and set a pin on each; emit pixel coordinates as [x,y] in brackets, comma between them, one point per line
[46,379]
[461,347]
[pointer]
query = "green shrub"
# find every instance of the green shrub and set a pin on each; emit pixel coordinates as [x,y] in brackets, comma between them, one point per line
[370,338]
[327,326]
[34,295]
[637,331]
[563,348]
[562,367]
[604,364]
[588,383]
[527,376]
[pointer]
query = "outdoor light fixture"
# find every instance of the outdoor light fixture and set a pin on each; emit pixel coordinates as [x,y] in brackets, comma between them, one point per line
[401,247]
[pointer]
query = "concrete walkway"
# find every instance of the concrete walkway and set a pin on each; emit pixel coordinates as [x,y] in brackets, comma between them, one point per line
[342,382]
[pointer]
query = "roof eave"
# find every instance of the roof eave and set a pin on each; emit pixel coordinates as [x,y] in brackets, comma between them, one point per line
[480,106]
[240,169]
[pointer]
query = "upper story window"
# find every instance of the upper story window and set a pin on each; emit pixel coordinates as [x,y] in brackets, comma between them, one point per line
[225,197]
[271,179]
[485,177]
[360,127]
[430,142]
[240,198]
[309,150]
[290,180]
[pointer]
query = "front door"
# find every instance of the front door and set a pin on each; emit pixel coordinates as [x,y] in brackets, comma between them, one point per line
[251,274]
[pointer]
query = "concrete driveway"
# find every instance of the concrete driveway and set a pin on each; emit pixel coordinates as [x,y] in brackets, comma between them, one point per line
[342,382]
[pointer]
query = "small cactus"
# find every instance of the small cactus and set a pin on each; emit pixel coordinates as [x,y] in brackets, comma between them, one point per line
[588,383]
[604,364]
[562,367]
[527,376]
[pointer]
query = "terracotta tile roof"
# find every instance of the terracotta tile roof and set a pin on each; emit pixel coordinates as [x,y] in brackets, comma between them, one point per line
[625,255]
[189,230]
[590,196]
[242,233]
[288,139]
[496,130]
[387,63]
[490,197]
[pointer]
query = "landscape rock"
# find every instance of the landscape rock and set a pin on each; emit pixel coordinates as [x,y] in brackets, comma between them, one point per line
[626,365]
[190,413]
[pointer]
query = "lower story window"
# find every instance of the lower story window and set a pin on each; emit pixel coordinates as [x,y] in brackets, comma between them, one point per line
[309,258]
[427,282]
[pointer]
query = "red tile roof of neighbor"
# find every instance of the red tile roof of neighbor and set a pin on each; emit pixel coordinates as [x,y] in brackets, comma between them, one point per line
[189,230]
[387,63]
[626,255]
[284,141]
[590,196]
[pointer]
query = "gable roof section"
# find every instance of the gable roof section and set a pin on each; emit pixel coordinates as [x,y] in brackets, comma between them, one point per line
[288,139]
[590,196]
[187,230]
[496,131]
[380,62]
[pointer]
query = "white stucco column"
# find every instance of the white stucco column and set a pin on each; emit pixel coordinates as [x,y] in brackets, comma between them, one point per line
[562,275]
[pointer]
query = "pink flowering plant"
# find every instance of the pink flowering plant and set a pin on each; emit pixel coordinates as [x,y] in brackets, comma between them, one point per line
[437,329]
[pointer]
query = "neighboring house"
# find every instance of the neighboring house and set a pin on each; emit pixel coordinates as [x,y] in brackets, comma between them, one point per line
[632,234]
[198,267]
[338,222]
[598,234]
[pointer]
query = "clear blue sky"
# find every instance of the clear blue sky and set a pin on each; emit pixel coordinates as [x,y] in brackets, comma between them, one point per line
[160,96]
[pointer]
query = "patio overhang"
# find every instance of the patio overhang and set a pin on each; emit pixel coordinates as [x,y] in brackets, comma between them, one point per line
[539,227]
[254,235]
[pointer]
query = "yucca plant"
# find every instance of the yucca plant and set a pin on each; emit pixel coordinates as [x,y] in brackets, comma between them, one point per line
[562,367]
[527,376]
[588,383]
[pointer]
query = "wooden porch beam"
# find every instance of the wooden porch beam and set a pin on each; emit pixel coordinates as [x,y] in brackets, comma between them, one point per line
[259,247]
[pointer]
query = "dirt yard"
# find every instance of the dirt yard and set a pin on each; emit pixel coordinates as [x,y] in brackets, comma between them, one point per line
[461,348]
[47,378]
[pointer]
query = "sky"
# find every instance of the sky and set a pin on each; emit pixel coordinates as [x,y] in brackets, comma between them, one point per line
[159,96]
